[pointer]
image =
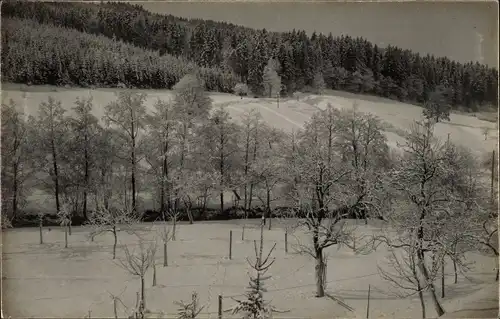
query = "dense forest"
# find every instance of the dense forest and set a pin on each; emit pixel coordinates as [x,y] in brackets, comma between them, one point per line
[156,50]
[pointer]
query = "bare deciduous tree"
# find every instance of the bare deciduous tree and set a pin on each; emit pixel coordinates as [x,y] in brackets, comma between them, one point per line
[138,263]
[17,159]
[421,179]
[51,126]
[161,151]
[191,108]
[85,131]
[405,276]
[64,219]
[268,170]
[128,116]
[166,235]
[109,220]
[325,187]
[221,137]
[250,128]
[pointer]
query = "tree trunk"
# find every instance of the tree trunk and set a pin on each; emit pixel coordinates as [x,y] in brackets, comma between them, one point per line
[420,292]
[189,212]
[133,181]
[250,196]
[164,180]
[41,231]
[143,295]
[204,206]
[222,203]
[247,151]
[221,167]
[431,287]
[254,158]
[65,236]
[268,204]
[245,201]
[85,191]
[422,300]
[320,273]
[165,256]
[442,279]
[162,200]
[154,274]
[174,228]
[115,240]
[56,174]
[455,270]
[15,191]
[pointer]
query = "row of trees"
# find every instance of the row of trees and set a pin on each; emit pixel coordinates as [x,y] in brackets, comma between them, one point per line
[36,53]
[343,63]
[182,152]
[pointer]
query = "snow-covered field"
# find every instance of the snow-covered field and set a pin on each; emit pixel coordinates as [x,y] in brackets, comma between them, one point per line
[50,281]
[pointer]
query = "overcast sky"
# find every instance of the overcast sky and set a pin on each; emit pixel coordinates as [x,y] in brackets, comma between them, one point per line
[461,31]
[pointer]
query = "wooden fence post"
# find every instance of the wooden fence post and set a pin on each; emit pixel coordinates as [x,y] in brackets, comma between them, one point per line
[368,305]
[220,307]
[286,241]
[230,244]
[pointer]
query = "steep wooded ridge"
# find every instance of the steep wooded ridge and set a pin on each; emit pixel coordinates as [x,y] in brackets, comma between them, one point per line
[44,54]
[226,52]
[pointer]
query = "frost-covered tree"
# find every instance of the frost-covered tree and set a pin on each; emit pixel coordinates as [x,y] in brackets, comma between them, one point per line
[84,133]
[241,89]
[161,149]
[51,126]
[113,221]
[319,83]
[137,263]
[422,212]
[324,188]
[17,159]
[127,115]
[268,169]
[250,132]
[192,108]
[272,81]
[438,107]
[220,137]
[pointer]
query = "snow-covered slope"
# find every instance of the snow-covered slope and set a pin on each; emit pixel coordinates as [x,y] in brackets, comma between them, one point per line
[290,114]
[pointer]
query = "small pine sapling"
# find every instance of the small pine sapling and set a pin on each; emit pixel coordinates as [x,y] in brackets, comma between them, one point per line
[189,310]
[254,307]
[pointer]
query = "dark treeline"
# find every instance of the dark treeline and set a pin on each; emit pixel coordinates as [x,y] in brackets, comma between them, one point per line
[343,63]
